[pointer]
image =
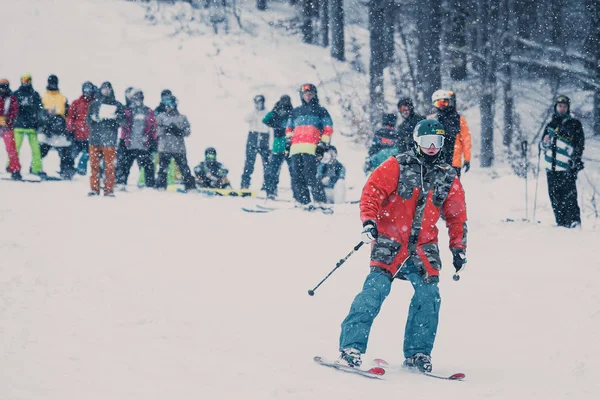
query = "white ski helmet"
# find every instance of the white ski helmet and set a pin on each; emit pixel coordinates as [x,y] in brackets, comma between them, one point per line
[444,95]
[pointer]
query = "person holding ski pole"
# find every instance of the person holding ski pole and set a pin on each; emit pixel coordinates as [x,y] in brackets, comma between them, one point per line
[400,205]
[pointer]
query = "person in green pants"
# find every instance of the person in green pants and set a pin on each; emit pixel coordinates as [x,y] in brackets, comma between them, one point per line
[27,122]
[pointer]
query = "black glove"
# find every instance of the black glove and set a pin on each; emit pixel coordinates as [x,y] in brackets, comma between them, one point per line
[459,259]
[173,130]
[288,146]
[575,165]
[322,147]
[467,166]
[369,232]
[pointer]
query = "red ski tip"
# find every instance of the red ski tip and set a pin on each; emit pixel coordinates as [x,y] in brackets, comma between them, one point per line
[457,376]
[377,371]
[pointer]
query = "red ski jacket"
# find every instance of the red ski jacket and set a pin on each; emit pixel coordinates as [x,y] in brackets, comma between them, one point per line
[76,118]
[405,198]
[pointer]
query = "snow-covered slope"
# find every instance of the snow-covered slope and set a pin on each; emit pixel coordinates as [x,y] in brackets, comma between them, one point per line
[167,296]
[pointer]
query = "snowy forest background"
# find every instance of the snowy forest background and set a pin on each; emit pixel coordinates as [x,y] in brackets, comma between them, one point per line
[492,53]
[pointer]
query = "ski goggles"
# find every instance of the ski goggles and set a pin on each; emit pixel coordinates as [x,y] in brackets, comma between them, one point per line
[427,141]
[211,156]
[307,88]
[441,103]
[404,109]
[26,79]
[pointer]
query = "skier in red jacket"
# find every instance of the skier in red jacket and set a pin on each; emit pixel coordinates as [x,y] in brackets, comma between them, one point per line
[400,206]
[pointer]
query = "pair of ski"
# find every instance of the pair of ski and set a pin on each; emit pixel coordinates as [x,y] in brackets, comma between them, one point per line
[378,370]
[260,209]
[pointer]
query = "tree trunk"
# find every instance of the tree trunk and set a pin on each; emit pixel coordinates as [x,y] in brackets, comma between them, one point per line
[336,13]
[592,51]
[261,5]
[307,22]
[324,17]
[429,56]
[377,61]
[508,48]
[456,37]
[488,46]
[389,29]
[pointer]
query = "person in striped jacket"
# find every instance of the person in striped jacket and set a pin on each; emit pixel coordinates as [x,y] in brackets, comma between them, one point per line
[563,142]
[308,133]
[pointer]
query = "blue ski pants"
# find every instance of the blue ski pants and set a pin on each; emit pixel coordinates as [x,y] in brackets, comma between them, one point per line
[423,312]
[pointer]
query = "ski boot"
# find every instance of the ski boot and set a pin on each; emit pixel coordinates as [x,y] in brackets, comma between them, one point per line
[16,176]
[419,361]
[350,357]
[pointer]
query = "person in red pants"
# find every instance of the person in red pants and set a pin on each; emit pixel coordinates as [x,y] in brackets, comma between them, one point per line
[9,109]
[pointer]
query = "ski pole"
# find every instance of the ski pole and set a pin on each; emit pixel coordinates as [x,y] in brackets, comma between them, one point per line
[524,146]
[537,181]
[339,264]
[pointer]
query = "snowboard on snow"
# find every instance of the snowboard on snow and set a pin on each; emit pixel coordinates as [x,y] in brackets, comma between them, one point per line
[260,209]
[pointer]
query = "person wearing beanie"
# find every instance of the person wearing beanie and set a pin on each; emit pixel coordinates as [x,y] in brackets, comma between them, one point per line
[173,173]
[309,132]
[332,175]
[257,142]
[172,129]
[9,110]
[138,133]
[278,119]
[210,173]
[563,143]
[386,143]
[457,145]
[410,119]
[78,127]
[28,121]
[106,115]
[53,133]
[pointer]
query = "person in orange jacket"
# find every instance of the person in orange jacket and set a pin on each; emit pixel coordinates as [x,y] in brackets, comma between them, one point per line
[457,145]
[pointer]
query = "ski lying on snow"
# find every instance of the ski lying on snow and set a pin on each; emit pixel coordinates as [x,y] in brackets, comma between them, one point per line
[373,373]
[459,376]
[260,209]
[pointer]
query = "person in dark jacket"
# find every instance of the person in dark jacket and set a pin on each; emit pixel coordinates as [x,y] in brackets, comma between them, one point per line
[172,130]
[332,175]
[410,119]
[309,132]
[173,172]
[210,173]
[563,142]
[105,116]
[138,133]
[78,127]
[257,141]
[28,121]
[121,149]
[386,143]
[278,120]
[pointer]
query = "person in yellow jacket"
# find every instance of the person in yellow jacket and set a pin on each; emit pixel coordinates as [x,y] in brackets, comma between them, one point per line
[457,143]
[54,130]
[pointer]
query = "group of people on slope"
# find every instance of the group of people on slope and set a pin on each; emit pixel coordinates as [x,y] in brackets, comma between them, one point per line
[390,140]
[301,137]
[99,129]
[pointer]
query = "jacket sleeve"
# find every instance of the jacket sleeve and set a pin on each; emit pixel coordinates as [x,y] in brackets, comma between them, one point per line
[454,211]
[12,112]
[72,116]
[289,130]
[151,121]
[268,120]
[121,120]
[380,185]
[462,146]
[327,124]
[578,142]
[342,172]
[92,111]
[126,128]
[185,127]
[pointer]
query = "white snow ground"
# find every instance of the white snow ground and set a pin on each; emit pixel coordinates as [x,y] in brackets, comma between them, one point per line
[168,296]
